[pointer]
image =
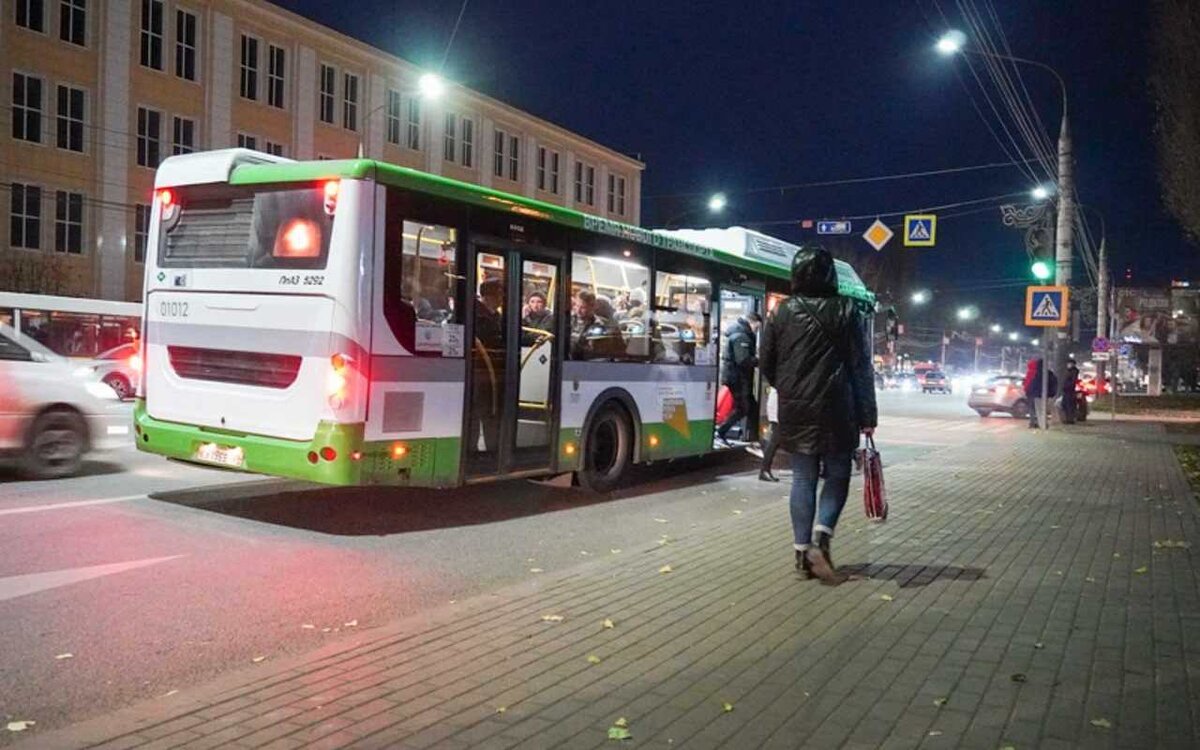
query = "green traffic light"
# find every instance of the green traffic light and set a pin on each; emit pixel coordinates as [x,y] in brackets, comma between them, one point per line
[1041,270]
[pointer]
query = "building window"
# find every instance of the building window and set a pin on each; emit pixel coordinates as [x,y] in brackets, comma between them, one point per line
[449,149]
[152,34]
[185,45]
[350,101]
[68,222]
[247,141]
[27,108]
[620,196]
[616,195]
[276,62]
[25,216]
[547,170]
[72,21]
[328,81]
[514,163]
[70,118]
[184,136]
[249,67]
[393,117]
[141,232]
[467,150]
[585,183]
[506,160]
[31,14]
[498,141]
[414,123]
[149,136]
[275,148]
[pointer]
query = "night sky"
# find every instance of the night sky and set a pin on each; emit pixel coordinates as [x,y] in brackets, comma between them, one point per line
[737,96]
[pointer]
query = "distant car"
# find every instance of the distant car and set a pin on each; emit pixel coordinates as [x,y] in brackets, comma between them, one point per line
[935,381]
[119,368]
[1003,393]
[50,417]
[905,381]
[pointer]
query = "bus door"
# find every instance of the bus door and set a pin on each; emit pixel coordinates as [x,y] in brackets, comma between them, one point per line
[738,302]
[512,409]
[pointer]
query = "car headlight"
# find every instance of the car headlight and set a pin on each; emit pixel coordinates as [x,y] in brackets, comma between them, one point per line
[101,390]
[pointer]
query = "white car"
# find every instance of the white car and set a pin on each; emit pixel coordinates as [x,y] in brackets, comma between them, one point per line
[50,416]
[119,368]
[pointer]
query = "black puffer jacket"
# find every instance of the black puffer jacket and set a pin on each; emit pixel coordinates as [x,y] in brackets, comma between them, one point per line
[814,352]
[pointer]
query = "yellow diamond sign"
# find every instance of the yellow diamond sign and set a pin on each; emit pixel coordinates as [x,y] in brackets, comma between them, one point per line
[878,234]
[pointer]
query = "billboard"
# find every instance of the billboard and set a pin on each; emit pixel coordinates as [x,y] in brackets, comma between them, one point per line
[1158,316]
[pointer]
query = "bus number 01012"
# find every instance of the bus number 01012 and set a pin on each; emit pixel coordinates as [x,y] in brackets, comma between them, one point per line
[172,309]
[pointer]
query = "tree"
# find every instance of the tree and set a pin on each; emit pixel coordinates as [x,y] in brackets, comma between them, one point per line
[35,273]
[1173,82]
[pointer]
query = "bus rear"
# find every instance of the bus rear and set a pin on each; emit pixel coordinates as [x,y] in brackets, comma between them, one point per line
[252,324]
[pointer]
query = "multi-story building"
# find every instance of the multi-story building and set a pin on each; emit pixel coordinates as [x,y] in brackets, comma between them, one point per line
[93,95]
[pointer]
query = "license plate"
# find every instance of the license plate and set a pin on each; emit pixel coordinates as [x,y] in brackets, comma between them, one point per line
[212,453]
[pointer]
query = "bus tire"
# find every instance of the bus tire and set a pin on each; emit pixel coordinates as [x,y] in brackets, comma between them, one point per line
[607,449]
[55,445]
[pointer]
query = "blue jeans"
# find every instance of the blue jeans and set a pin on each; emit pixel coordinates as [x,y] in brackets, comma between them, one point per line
[805,506]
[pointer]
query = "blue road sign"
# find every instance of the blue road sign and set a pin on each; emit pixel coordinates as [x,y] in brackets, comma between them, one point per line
[920,230]
[1126,351]
[833,227]
[1047,306]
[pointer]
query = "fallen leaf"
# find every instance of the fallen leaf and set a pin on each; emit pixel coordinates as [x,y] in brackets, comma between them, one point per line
[169,693]
[737,513]
[1055,527]
[351,624]
[1019,677]
[727,707]
[308,626]
[258,659]
[665,569]
[745,499]
[530,559]
[501,709]
[886,597]
[1039,645]
[608,624]
[1089,579]
[939,702]
[934,733]
[615,551]
[584,552]
[1141,570]
[536,570]
[1116,555]
[619,733]
[660,520]
[621,722]
[20,726]
[552,618]
[326,630]
[593,659]
[1102,723]
[1008,747]
[1170,544]
[65,656]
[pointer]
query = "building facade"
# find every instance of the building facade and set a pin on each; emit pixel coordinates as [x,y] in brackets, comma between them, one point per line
[95,93]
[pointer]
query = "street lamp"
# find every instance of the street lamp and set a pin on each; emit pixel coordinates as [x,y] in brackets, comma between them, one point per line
[920,298]
[717,203]
[431,86]
[966,313]
[1041,193]
[997,328]
[951,43]
[1014,336]
[1035,342]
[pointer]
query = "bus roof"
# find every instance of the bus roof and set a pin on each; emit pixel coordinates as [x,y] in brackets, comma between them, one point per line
[244,173]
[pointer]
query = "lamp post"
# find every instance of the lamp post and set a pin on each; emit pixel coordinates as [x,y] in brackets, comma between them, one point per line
[430,87]
[715,204]
[955,42]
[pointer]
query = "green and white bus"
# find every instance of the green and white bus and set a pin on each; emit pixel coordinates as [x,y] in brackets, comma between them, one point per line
[354,322]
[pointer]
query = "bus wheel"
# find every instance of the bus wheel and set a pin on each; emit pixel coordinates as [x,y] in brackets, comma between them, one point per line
[608,450]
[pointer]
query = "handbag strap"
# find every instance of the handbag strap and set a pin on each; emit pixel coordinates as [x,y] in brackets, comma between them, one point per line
[825,332]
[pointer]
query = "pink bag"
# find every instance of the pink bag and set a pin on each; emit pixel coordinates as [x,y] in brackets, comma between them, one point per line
[874,491]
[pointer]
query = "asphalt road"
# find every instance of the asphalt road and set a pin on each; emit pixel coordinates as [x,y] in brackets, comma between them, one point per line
[153,575]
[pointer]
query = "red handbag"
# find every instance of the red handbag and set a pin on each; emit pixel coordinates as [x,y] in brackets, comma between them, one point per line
[874,491]
[724,403]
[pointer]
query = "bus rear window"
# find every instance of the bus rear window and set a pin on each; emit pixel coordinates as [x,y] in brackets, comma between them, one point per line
[225,226]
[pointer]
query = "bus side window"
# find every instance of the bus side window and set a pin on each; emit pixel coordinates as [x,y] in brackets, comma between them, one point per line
[422,282]
[682,318]
[609,316]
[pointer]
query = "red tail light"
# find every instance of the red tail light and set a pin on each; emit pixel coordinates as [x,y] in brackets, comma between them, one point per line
[332,189]
[166,198]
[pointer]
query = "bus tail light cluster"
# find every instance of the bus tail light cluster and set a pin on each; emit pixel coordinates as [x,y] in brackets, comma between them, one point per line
[339,380]
[332,188]
[170,206]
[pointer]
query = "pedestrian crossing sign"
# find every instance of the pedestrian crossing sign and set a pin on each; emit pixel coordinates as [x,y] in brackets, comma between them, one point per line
[1047,306]
[920,230]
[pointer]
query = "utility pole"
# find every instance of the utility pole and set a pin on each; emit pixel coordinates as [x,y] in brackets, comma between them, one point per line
[1102,283]
[945,340]
[1064,235]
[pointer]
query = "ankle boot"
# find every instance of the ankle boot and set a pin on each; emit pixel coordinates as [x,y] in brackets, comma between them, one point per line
[803,566]
[821,568]
[765,475]
[823,543]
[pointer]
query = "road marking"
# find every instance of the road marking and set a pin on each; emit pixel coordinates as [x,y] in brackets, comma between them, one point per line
[76,504]
[14,586]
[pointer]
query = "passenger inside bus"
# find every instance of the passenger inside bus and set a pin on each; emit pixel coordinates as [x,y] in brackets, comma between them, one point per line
[537,314]
[489,364]
[593,335]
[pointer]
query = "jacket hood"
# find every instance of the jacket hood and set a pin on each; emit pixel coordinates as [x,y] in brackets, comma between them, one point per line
[813,272]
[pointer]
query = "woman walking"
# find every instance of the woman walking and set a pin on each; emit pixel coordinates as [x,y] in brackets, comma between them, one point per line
[815,354]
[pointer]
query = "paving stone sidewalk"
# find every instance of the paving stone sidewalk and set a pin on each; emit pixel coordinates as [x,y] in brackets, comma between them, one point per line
[1023,594]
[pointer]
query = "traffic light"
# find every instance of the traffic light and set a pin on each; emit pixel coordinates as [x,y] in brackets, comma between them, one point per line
[1041,270]
[892,326]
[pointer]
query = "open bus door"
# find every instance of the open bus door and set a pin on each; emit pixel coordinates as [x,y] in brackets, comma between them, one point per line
[738,302]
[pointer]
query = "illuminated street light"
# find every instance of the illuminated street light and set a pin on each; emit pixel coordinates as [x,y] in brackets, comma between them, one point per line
[966,313]
[951,43]
[431,86]
[717,203]
[997,328]
[1035,342]
[1041,193]
[1014,336]
[920,298]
